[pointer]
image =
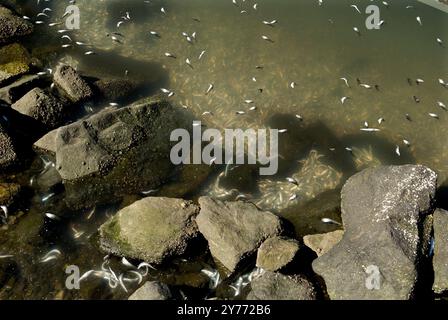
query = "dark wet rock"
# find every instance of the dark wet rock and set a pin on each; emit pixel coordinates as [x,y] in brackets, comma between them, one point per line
[440,260]
[8,153]
[43,107]
[307,217]
[49,180]
[20,87]
[235,230]
[115,152]
[152,229]
[76,88]
[12,26]
[384,211]
[152,290]
[276,253]
[276,286]
[322,243]
[116,90]
[8,193]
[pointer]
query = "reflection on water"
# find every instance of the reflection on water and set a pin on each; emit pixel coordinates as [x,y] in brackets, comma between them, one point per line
[291,82]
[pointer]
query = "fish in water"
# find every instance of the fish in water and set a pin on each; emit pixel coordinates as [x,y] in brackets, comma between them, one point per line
[330,221]
[210,88]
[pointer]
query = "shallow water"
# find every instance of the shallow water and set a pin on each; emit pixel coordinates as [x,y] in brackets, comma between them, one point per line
[312,46]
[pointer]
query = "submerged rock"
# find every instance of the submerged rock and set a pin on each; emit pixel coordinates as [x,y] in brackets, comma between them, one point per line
[43,107]
[384,212]
[276,253]
[12,26]
[76,88]
[152,229]
[8,193]
[276,286]
[235,230]
[14,61]
[17,89]
[152,290]
[115,152]
[440,260]
[116,90]
[322,243]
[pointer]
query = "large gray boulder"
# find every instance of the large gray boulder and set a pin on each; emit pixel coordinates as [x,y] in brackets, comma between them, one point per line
[440,260]
[76,88]
[12,26]
[384,211]
[235,230]
[152,291]
[151,229]
[276,286]
[43,107]
[115,152]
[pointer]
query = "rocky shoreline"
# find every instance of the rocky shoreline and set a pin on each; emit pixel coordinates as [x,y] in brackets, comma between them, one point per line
[391,242]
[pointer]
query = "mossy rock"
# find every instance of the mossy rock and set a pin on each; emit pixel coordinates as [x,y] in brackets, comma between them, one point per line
[8,193]
[14,59]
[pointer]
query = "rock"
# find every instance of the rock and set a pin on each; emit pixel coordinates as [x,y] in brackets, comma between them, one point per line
[8,193]
[152,290]
[17,89]
[384,212]
[440,260]
[43,107]
[115,152]
[235,230]
[322,243]
[276,253]
[115,90]
[152,229]
[307,217]
[14,61]
[8,153]
[47,144]
[74,86]
[12,26]
[187,181]
[276,286]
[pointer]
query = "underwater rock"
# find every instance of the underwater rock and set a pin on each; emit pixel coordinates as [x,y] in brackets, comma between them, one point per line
[14,61]
[74,86]
[17,89]
[152,290]
[440,260]
[276,253]
[235,230]
[322,243]
[8,193]
[12,26]
[8,154]
[384,212]
[43,107]
[307,217]
[151,229]
[114,152]
[188,180]
[276,286]
[115,90]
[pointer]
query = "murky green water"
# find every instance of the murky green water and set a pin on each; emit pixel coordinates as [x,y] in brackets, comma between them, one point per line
[313,47]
